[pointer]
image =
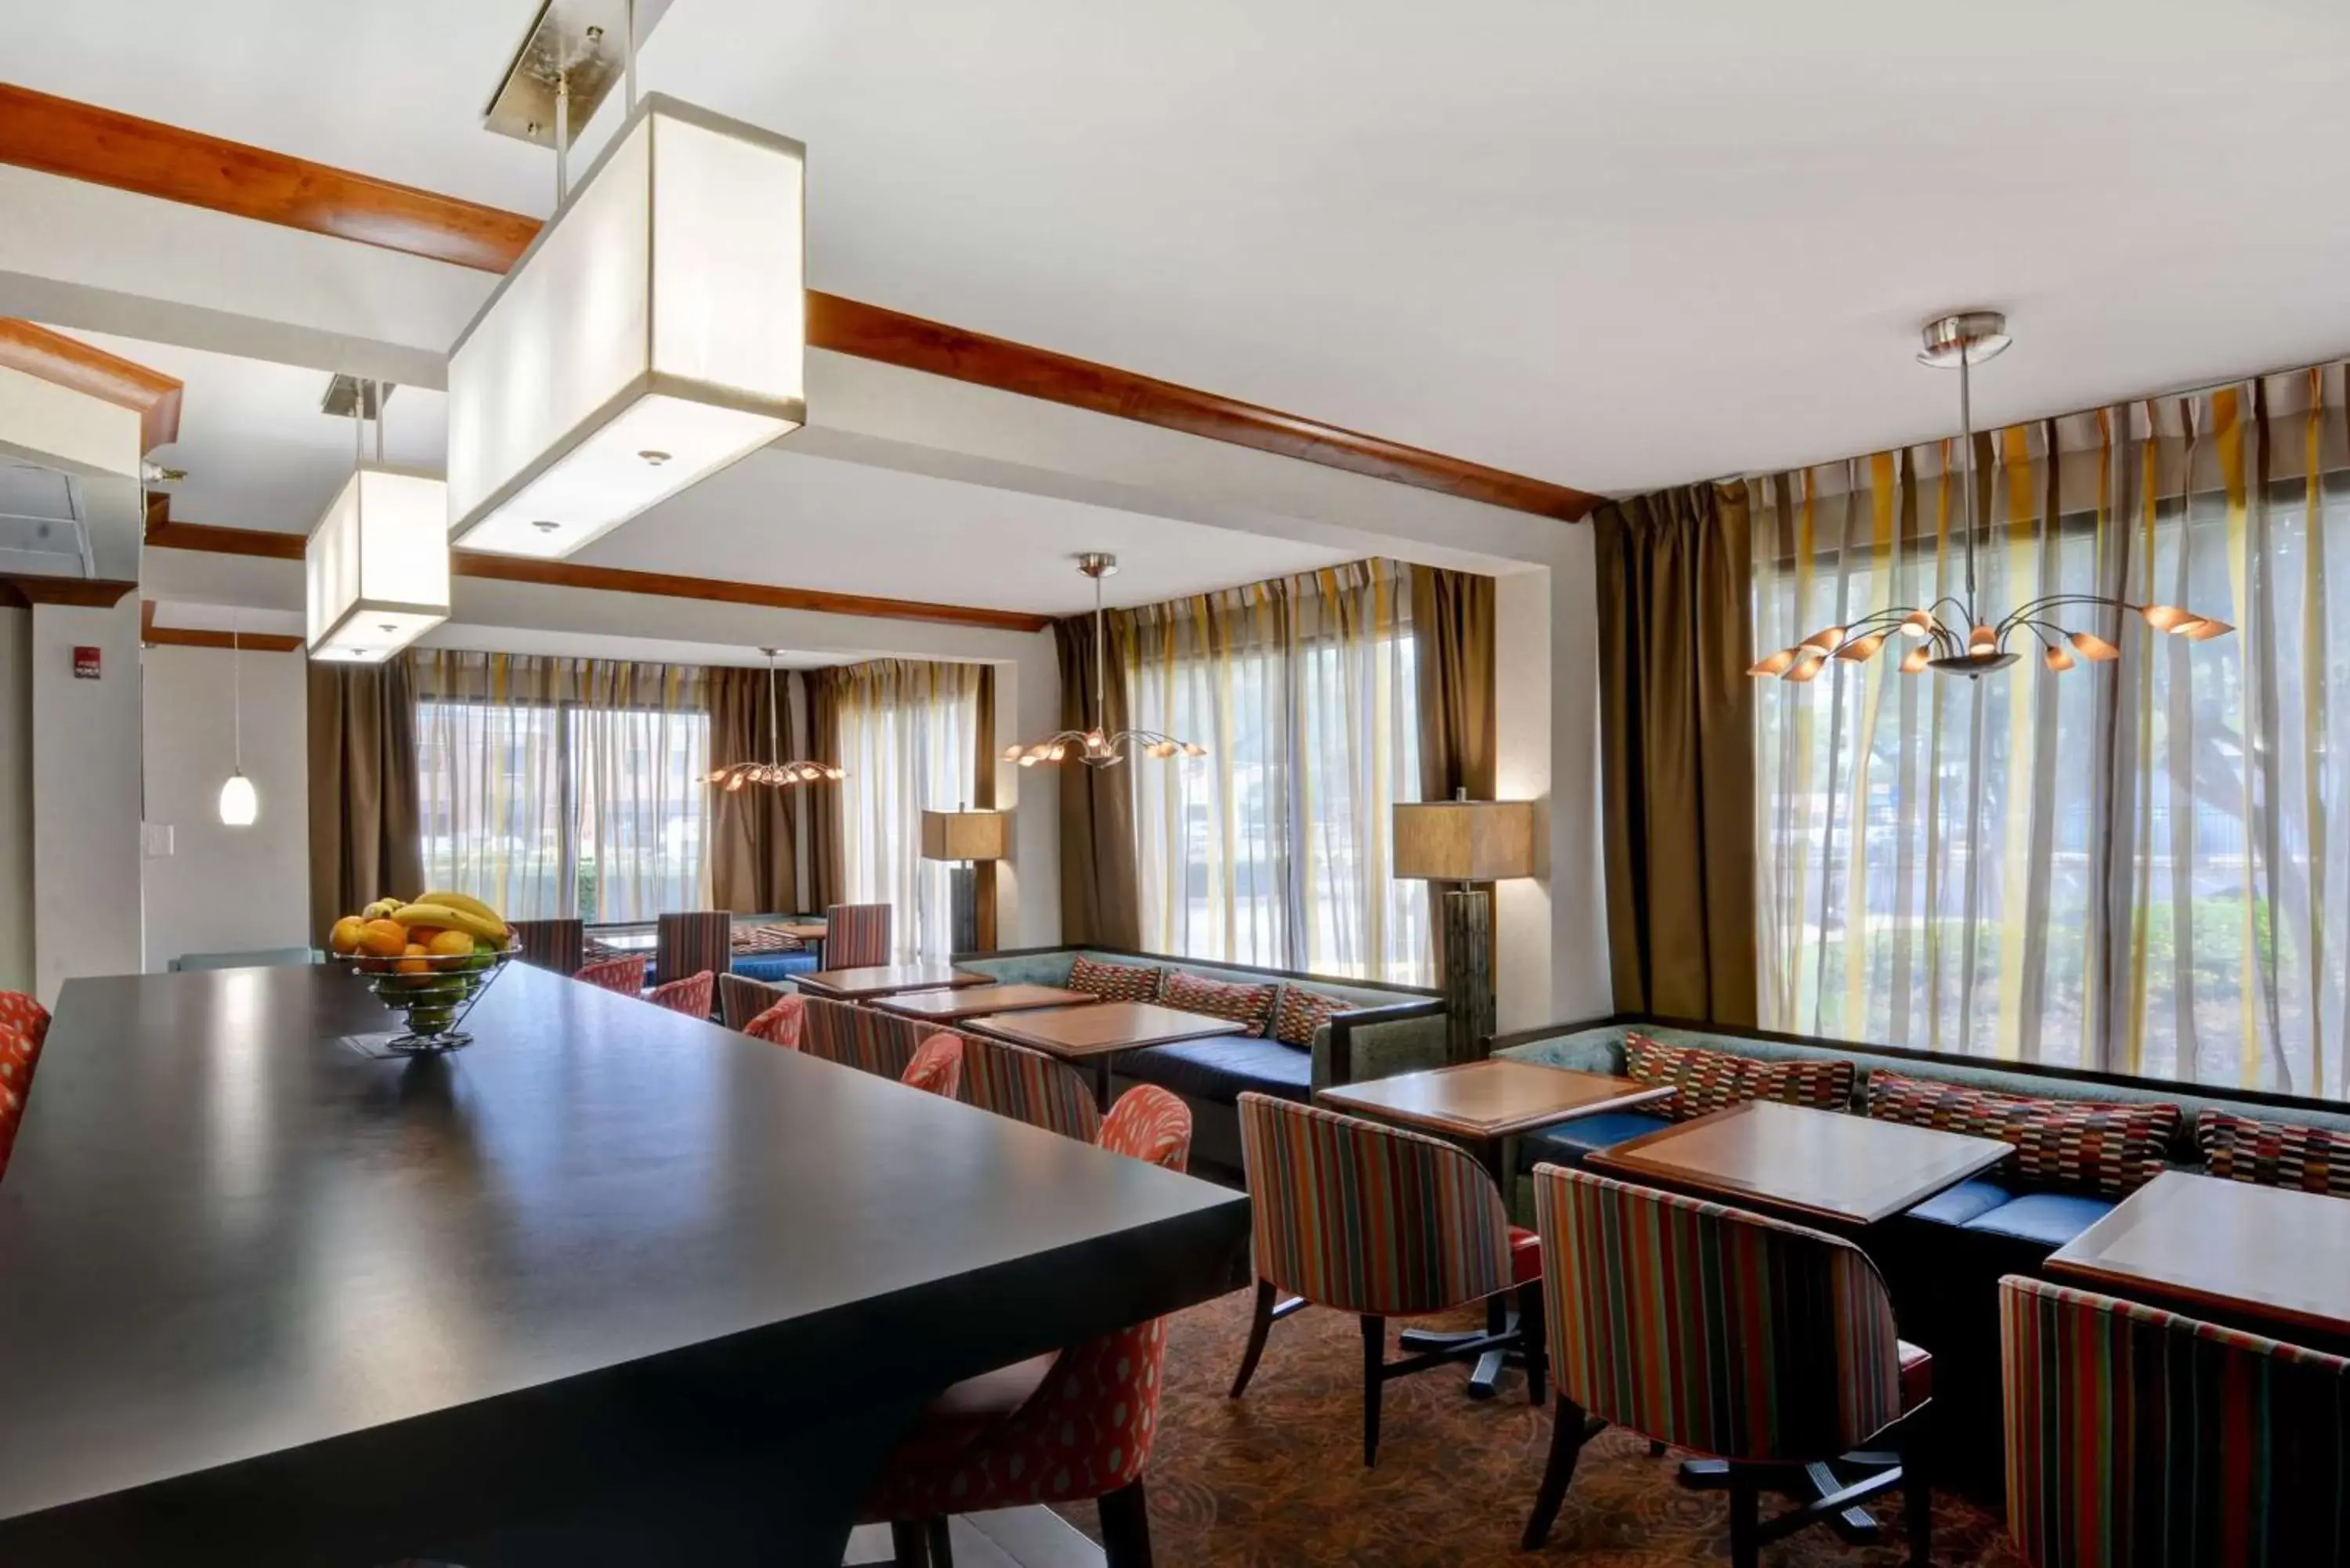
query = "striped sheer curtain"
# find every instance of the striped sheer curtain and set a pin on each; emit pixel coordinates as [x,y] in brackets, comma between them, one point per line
[2134,866]
[909,740]
[1274,848]
[556,787]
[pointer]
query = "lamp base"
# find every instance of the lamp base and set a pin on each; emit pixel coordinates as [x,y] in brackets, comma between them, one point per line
[1468,916]
[963,892]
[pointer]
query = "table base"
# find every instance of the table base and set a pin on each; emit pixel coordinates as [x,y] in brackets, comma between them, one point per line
[1501,1321]
[1817,1488]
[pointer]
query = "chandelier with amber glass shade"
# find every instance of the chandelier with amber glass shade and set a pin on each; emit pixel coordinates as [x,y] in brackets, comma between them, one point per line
[1956,634]
[735,776]
[1097,746]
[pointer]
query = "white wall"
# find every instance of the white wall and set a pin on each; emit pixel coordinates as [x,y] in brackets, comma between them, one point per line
[225,889]
[15,800]
[86,896]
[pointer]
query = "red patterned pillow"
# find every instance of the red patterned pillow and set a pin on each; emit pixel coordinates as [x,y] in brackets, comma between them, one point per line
[1303,1014]
[1115,982]
[1708,1081]
[2105,1149]
[1247,1005]
[2274,1153]
[765,939]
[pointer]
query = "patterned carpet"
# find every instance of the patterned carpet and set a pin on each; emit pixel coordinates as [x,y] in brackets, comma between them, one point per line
[1275,1480]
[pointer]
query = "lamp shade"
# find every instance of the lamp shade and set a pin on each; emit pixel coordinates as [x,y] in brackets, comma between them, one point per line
[963,835]
[240,804]
[1464,840]
[378,564]
[652,333]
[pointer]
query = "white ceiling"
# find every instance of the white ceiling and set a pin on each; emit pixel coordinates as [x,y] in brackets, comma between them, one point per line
[1612,244]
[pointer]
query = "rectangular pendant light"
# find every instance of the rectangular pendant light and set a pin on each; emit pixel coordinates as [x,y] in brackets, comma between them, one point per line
[377,565]
[652,333]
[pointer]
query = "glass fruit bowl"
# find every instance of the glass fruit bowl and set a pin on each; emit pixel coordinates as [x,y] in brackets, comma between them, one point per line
[432,992]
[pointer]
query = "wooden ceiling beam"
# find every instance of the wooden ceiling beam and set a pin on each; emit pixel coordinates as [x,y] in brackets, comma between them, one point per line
[70,363]
[83,142]
[153,636]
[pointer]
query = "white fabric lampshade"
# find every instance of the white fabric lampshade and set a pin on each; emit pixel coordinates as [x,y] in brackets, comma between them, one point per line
[654,333]
[377,565]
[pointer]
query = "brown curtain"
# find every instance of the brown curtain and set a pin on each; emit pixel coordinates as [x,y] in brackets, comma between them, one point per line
[752,866]
[1452,641]
[1099,900]
[365,842]
[982,798]
[828,872]
[1676,751]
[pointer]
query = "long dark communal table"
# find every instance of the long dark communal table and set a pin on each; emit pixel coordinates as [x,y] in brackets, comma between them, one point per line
[611,1286]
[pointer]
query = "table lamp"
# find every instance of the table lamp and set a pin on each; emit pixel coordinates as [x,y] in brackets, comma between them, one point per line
[1463,841]
[964,838]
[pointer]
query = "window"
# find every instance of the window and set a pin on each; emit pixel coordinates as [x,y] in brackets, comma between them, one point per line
[563,788]
[1274,849]
[910,742]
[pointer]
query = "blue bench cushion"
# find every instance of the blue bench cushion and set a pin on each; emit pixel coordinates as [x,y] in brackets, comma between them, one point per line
[775,966]
[1568,1142]
[2047,1219]
[1968,1200]
[1221,1069]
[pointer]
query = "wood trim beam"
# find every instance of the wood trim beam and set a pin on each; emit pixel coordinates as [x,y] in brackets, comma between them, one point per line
[266,543]
[83,142]
[23,591]
[70,363]
[153,636]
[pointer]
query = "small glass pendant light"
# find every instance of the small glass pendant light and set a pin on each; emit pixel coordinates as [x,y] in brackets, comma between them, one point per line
[240,804]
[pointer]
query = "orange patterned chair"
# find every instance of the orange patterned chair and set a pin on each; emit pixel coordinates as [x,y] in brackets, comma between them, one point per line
[625,974]
[691,995]
[18,1053]
[782,1023]
[1059,1428]
[937,1066]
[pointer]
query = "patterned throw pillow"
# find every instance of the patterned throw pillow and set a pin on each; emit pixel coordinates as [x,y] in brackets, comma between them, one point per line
[1709,1081]
[1303,1014]
[2104,1148]
[1247,1005]
[2274,1153]
[593,951]
[764,939]
[1115,982]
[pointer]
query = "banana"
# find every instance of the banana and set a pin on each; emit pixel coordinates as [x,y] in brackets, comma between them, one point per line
[381,909]
[452,920]
[466,902]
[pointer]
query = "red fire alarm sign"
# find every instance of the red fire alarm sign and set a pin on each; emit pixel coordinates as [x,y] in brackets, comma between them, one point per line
[86,663]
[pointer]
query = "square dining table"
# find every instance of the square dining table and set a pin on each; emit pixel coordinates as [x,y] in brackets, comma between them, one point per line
[888,979]
[1089,1037]
[2272,1259]
[1817,1167]
[1482,1105]
[610,1287]
[954,1005]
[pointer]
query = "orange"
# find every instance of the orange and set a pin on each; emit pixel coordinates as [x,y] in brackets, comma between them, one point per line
[413,963]
[447,944]
[347,934]
[384,938]
[423,934]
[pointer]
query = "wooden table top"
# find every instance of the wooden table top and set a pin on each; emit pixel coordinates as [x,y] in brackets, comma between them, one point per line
[237,1251]
[888,979]
[976,1001]
[1816,1165]
[2271,1256]
[1074,1032]
[1491,1098]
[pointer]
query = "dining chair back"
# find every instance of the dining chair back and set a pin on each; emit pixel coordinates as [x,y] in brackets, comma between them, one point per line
[625,974]
[689,995]
[856,936]
[1711,1328]
[937,1066]
[1060,1429]
[2140,1439]
[781,1025]
[26,1017]
[1029,1086]
[685,944]
[557,945]
[17,1054]
[861,1037]
[741,998]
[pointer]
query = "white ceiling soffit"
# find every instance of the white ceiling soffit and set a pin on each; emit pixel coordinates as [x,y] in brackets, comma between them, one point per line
[1612,245]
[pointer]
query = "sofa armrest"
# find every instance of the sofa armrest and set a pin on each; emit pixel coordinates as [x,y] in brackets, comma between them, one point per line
[1379,1042]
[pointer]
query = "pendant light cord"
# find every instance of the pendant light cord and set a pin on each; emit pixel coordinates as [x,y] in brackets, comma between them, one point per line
[1101,662]
[1967,456]
[775,746]
[236,691]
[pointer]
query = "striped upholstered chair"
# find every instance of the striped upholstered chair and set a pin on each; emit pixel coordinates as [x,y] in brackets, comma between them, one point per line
[1381,1223]
[937,1066]
[1059,1428]
[781,1025]
[625,974]
[861,1037]
[1709,1328]
[689,943]
[557,945]
[689,994]
[856,936]
[1029,1086]
[741,998]
[2139,1439]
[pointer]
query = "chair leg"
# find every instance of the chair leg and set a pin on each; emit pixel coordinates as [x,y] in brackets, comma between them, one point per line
[1374,1354]
[1259,1328]
[1655,1449]
[1745,1519]
[1532,1335]
[1918,1489]
[942,1546]
[909,1546]
[1126,1527]
[1568,1433]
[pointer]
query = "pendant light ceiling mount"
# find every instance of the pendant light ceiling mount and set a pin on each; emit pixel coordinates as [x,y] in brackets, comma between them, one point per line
[1097,747]
[736,777]
[1953,634]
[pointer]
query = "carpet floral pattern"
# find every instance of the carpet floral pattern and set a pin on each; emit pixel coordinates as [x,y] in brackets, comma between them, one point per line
[1275,1480]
